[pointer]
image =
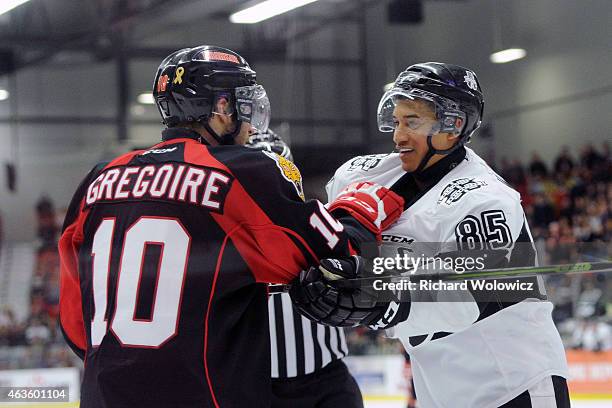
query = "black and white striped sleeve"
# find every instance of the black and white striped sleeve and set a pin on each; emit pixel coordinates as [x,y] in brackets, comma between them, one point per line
[298,345]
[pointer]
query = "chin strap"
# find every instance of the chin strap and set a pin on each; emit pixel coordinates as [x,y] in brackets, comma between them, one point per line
[432,150]
[227,138]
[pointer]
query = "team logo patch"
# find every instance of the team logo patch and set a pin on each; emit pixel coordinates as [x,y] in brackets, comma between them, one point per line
[366,163]
[456,189]
[289,171]
[470,80]
[162,83]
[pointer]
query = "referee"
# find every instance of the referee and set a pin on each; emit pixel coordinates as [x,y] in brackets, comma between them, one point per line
[307,367]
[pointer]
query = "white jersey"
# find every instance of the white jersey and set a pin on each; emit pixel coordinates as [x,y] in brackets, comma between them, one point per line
[460,359]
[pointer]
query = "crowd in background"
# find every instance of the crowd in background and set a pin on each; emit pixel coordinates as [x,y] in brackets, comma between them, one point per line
[569,208]
[37,341]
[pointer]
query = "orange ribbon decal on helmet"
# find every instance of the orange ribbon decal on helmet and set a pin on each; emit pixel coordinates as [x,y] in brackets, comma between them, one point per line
[178,79]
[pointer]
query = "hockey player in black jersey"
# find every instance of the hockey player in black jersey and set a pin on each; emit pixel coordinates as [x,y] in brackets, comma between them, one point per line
[166,252]
[474,353]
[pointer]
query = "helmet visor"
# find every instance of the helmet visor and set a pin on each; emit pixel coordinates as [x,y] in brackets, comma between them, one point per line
[253,106]
[445,110]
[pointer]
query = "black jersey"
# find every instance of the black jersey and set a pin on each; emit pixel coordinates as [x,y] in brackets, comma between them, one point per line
[165,256]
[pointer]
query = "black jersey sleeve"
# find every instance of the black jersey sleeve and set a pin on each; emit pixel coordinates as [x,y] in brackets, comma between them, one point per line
[284,228]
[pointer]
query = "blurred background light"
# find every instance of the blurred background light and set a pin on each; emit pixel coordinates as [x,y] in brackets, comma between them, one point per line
[7,5]
[508,55]
[265,10]
[146,98]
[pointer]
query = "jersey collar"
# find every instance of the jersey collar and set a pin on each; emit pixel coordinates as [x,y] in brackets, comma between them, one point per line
[182,133]
[433,174]
[413,186]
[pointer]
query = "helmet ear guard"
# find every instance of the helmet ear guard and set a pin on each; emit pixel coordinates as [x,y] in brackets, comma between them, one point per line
[452,122]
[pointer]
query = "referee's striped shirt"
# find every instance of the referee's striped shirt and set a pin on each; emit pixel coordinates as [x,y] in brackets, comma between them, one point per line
[300,346]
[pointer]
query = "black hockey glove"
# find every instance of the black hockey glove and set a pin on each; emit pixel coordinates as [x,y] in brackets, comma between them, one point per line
[319,296]
[271,142]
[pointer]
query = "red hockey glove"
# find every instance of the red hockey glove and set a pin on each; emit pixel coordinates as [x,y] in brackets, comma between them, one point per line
[374,206]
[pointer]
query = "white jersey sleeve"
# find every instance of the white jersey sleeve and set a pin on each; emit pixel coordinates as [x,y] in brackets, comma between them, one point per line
[338,181]
[376,168]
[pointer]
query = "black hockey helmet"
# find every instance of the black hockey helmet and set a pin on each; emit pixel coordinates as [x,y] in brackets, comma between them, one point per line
[189,81]
[453,91]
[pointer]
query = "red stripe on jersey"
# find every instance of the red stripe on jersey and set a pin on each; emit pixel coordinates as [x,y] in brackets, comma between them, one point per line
[266,248]
[352,251]
[210,301]
[71,306]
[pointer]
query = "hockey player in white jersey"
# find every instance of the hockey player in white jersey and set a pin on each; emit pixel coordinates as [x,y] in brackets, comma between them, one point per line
[472,354]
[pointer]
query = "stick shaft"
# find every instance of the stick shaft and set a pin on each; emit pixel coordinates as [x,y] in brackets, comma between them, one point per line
[576,268]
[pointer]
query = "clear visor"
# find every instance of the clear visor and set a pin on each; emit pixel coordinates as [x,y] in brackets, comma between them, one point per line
[253,106]
[387,104]
[445,110]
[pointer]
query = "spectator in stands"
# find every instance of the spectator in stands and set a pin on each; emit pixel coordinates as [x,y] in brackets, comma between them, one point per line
[581,230]
[560,243]
[537,167]
[47,223]
[513,172]
[564,163]
[560,294]
[591,303]
[59,356]
[565,207]
[543,213]
[37,332]
[593,335]
[7,324]
[590,158]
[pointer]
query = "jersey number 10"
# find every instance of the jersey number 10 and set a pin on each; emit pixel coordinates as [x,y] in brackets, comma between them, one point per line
[174,240]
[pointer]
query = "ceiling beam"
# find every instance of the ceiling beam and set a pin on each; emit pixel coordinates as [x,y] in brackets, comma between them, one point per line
[90,39]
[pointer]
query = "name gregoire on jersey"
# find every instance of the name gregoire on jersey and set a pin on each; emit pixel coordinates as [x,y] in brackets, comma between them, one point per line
[202,186]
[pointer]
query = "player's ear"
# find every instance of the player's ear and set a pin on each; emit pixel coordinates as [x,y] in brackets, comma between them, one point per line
[452,138]
[223,110]
[221,105]
[459,123]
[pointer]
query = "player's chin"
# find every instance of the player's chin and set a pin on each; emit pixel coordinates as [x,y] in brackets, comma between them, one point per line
[409,165]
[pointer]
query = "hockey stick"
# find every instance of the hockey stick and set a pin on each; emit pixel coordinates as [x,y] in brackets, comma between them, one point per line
[576,268]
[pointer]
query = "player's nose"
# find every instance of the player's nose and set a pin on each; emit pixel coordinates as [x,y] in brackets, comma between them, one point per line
[400,138]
